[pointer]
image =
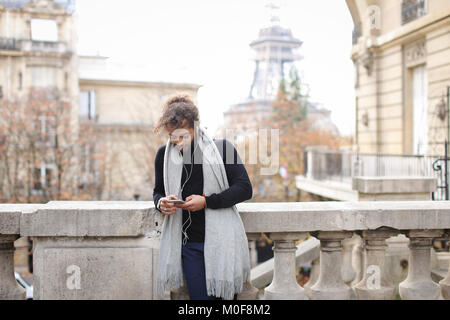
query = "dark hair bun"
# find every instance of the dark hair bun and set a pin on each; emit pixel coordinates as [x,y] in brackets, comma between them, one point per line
[179,98]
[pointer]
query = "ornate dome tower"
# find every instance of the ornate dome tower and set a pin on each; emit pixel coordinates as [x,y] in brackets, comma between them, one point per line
[274,56]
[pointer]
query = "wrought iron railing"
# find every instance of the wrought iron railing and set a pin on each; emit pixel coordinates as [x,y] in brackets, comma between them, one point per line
[9,44]
[342,166]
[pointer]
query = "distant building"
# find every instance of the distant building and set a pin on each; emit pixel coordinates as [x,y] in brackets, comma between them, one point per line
[275,55]
[113,108]
[37,53]
[122,112]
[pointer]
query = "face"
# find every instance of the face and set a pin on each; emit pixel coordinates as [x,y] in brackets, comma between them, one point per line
[181,136]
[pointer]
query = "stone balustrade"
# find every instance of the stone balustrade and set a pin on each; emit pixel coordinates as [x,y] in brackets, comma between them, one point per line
[109,250]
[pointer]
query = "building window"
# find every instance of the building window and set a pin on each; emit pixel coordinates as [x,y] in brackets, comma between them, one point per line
[413,9]
[20,84]
[87,107]
[43,77]
[420,110]
[44,30]
[47,134]
[356,33]
[42,177]
[66,81]
[37,183]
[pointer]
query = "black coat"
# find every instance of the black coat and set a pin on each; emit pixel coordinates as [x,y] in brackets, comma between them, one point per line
[240,188]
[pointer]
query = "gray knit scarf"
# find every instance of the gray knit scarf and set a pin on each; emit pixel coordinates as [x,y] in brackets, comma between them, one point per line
[227,263]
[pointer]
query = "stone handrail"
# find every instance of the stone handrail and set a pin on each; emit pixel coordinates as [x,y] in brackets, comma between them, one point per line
[109,250]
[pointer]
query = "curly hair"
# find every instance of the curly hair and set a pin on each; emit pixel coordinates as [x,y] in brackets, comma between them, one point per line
[175,110]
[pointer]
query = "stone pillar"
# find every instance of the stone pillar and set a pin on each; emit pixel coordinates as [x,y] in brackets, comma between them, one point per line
[376,283]
[284,285]
[9,232]
[418,284]
[313,277]
[348,273]
[358,260]
[330,285]
[9,288]
[93,250]
[445,285]
[249,292]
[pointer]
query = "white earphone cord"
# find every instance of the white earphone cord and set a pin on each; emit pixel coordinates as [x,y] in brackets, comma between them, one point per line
[188,176]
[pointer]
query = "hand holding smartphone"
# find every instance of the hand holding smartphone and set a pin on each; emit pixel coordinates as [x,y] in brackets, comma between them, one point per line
[176,201]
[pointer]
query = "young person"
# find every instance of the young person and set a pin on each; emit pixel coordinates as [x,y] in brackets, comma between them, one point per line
[204,237]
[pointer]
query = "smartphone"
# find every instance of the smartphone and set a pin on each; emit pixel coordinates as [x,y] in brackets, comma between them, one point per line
[177,201]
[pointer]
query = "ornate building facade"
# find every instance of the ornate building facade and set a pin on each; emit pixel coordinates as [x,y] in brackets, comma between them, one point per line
[401,53]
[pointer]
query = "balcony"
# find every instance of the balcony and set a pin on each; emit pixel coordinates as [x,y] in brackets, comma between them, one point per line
[25,45]
[330,173]
[79,246]
[412,10]
[9,44]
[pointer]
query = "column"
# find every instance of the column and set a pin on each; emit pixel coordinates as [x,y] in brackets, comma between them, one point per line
[313,277]
[418,284]
[358,260]
[376,283]
[330,285]
[9,288]
[284,285]
[348,273]
[249,292]
[445,285]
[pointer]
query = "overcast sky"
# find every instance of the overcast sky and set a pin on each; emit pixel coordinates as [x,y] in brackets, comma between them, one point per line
[207,42]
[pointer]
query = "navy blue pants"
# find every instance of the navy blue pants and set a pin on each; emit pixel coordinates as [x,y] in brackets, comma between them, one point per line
[193,258]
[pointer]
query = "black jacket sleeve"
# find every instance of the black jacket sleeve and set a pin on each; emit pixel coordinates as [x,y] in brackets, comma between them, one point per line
[240,188]
[159,191]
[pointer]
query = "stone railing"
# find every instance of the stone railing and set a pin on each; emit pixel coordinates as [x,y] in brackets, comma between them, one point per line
[109,250]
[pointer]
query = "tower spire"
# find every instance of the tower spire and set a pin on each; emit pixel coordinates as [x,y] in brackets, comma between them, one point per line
[274,14]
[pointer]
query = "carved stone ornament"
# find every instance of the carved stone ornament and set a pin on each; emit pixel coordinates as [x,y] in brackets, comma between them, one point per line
[415,53]
[441,109]
[368,61]
[365,119]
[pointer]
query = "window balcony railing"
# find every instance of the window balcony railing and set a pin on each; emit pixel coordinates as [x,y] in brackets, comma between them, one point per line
[9,44]
[413,9]
[329,165]
[13,44]
[109,249]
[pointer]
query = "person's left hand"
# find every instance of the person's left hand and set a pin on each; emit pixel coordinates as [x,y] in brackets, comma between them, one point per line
[193,203]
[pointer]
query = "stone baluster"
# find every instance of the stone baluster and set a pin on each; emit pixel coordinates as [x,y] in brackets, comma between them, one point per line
[9,232]
[284,285]
[330,284]
[9,288]
[418,285]
[376,283]
[313,277]
[358,260]
[445,284]
[348,273]
[249,292]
